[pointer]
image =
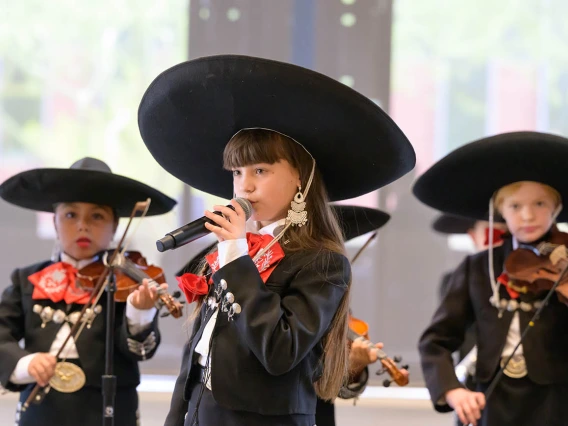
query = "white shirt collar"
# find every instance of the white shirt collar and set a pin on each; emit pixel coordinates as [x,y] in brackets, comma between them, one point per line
[77,264]
[253,227]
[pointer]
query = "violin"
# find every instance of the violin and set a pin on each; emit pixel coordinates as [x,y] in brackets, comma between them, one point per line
[360,329]
[536,271]
[130,268]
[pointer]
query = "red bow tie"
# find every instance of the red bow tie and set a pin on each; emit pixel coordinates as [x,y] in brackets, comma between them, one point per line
[57,282]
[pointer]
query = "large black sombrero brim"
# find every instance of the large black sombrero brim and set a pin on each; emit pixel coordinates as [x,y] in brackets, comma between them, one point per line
[463,182]
[356,220]
[190,112]
[451,224]
[41,189]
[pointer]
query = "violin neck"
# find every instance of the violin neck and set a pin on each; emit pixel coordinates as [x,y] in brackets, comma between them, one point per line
[130,269]
[351,335]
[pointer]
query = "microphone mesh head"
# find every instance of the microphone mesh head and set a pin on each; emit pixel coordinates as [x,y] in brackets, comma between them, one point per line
[246,205]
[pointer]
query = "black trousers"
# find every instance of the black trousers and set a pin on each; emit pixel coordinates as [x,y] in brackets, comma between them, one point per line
[84,408]
[325,413]
[521,402]
[209,413]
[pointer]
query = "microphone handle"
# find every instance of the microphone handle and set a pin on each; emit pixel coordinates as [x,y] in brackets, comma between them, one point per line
[196,229]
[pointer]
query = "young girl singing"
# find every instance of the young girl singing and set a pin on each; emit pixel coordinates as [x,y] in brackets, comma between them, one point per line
[521,177]
[45,300]
[354,221]
[273,298]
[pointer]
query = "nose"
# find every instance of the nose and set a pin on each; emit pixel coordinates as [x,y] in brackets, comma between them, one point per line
[246,184]
[527,213]
[83,224]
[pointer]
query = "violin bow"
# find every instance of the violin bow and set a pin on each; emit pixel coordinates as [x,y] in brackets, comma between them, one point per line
[364,246]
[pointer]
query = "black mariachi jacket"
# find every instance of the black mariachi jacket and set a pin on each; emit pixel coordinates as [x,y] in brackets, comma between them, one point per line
[267,359]
[18,321]
[466,302]
[469,340]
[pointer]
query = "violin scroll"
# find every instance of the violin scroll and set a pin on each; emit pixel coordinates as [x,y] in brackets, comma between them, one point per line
[360,329]
[390,367]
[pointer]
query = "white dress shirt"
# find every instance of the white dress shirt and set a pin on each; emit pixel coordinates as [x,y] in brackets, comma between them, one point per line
[228,251]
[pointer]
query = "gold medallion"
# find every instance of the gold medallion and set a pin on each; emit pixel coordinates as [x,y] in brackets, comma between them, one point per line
[68,378]
[516,368]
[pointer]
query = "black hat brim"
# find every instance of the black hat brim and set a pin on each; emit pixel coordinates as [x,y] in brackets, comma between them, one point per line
[41,189]
[463,182]
[356,220]
[451,224]
[190,112]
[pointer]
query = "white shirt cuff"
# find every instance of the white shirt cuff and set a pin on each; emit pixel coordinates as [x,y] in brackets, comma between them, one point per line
[230,250]
[138,319]
[21,375]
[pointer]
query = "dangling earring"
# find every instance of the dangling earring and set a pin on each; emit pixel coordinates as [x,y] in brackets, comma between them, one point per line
[298,214]
[56,251]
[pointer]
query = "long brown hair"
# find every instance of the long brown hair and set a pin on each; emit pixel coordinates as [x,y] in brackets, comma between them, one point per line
[322,232]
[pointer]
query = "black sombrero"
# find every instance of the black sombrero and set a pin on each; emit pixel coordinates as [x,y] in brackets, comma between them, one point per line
[190,112]
[463,182]
[89,181]
[451,224]
[356,220]
[353,220]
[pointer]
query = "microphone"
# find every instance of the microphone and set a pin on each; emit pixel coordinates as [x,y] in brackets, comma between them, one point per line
[196,229]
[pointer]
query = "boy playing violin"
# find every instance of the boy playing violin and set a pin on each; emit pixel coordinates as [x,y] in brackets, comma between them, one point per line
[521,176]
[45,300]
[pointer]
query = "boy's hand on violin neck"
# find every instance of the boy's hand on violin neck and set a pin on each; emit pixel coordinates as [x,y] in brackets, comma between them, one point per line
[231,225]
[144,297]
[467,404]
[361,355]
[42,368]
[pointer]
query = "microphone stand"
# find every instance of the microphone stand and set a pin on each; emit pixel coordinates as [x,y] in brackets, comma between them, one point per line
[108,379]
